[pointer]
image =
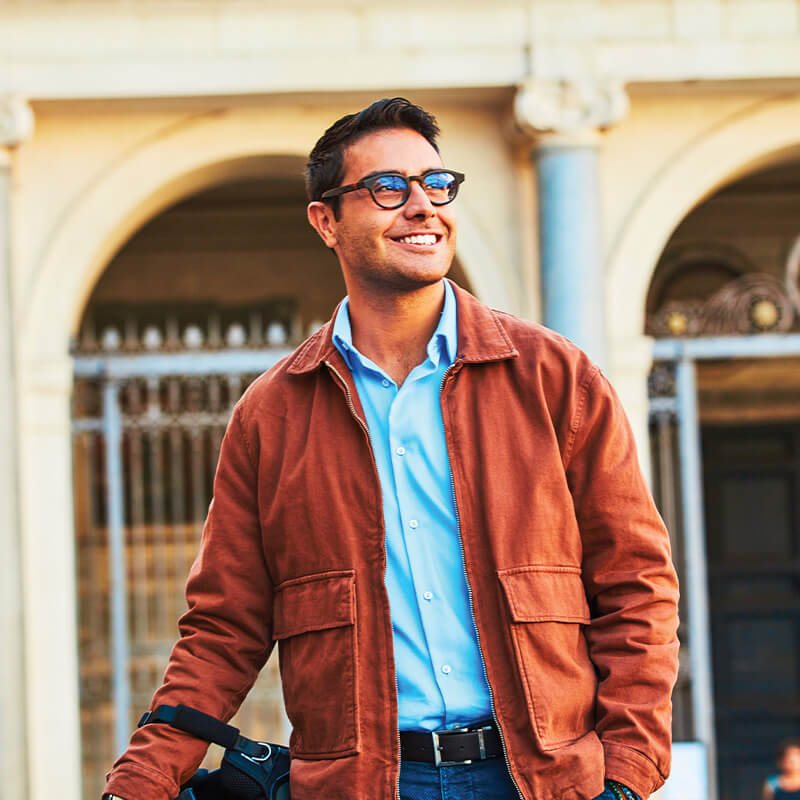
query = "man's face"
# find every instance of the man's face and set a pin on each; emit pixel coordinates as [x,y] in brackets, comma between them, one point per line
[373,243]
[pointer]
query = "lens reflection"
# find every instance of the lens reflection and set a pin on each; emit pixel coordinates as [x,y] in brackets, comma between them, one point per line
[389,190]
[439,186]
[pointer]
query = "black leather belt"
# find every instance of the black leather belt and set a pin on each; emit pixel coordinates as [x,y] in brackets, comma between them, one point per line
[451,746]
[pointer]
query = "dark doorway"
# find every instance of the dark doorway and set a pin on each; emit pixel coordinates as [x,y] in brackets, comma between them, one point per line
[752,501]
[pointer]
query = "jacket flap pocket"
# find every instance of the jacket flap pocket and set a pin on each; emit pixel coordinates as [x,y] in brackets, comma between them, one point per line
[314,603]
[545,594]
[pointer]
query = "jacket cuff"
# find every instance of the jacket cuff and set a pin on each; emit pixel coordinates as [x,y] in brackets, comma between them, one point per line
[136,782]
[631,768]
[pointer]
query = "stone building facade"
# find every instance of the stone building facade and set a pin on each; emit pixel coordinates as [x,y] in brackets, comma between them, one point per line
[633,180]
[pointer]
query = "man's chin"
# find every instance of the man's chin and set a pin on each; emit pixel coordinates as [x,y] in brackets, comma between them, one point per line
[424,273]
[403,277]
[414,281]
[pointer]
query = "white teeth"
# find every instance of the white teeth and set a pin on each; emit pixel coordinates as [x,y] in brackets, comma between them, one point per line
[424,238]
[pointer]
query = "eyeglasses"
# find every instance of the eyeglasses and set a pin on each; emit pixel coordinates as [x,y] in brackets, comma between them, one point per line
[392,189]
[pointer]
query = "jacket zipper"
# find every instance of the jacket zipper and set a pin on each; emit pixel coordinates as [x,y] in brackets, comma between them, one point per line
[471,603]
[365,427]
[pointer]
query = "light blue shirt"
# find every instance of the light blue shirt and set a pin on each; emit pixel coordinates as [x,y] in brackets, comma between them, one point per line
[440,676]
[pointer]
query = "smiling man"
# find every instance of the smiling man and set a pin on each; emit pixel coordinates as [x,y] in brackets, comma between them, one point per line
[436,510]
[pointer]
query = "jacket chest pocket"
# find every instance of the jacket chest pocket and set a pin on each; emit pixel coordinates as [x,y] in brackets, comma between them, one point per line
[314,622]
[549,610]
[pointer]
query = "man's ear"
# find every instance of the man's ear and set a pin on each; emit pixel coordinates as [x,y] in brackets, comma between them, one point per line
[320,216]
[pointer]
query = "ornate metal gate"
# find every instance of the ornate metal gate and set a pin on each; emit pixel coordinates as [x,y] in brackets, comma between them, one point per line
[716,576]
[147,430]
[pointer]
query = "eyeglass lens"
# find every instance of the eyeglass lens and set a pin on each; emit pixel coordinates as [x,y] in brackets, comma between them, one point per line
[391,191]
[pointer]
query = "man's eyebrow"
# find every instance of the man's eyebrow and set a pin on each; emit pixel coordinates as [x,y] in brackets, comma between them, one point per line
[394,172]
[379,172]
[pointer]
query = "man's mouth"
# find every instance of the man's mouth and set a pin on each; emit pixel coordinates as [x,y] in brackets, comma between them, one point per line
[425,239]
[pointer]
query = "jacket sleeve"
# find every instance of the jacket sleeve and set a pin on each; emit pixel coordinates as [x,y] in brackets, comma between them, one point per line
[632,589]
[225,636]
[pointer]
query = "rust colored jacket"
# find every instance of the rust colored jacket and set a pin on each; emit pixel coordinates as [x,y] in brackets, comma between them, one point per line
[574,593]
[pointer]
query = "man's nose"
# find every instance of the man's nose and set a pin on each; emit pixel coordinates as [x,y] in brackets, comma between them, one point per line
[418,203]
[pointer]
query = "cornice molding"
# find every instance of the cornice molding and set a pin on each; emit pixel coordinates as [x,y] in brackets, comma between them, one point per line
[572,111]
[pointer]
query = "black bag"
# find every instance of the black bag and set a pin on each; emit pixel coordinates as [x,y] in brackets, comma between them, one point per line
[249,771]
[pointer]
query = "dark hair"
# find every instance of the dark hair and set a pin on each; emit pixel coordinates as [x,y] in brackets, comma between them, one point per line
[788,744]
[325,166]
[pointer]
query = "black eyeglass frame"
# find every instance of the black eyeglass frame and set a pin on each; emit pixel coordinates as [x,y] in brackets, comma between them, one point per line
[369,183]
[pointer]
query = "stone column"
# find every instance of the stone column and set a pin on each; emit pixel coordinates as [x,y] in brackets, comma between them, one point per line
[564,120]
[16,125]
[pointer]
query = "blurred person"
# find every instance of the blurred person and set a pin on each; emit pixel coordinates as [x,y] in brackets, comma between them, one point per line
[786,784]
[437,511]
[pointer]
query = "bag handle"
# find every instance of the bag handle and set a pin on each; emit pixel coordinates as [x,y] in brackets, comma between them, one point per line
[208,728]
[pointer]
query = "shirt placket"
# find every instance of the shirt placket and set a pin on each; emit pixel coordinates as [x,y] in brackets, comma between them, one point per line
[415,522]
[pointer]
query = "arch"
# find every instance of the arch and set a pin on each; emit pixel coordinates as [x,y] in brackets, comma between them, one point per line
[185,159]
[764,135]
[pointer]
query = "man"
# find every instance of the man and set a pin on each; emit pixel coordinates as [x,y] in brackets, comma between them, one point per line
[437,512]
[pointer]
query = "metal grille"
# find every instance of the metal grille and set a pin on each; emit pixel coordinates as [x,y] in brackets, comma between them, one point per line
[667,492]
[147,433]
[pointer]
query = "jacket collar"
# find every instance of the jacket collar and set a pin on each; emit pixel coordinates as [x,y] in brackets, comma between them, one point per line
[481,337]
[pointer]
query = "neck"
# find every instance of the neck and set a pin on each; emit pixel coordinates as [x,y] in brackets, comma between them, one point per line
[394,330]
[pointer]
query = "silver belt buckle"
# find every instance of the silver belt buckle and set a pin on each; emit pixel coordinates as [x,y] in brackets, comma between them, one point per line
[437,748]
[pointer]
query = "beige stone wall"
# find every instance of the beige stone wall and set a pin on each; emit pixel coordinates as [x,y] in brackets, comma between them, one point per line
[140,105]
[197,47]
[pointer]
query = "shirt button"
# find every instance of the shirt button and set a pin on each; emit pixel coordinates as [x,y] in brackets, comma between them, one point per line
[386,383]
[428,596]
[401,451]
[447,669]
[413,524]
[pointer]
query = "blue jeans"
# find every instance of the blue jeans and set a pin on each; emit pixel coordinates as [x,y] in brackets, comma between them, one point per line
[482,780]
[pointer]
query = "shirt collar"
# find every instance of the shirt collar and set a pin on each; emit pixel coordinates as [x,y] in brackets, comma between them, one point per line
[443,343]
[482,337]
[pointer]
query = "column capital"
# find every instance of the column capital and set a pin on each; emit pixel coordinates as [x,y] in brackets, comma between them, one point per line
[568,111]
[16,121]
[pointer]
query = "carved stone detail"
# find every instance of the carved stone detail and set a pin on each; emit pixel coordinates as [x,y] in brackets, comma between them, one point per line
[16,120]
[569,107]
